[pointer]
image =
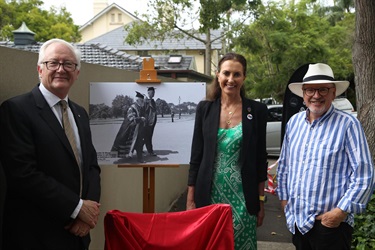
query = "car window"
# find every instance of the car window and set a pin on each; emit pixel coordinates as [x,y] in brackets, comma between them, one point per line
[275,114]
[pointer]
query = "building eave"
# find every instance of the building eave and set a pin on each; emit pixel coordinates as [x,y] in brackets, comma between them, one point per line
[104,11]
[180,73]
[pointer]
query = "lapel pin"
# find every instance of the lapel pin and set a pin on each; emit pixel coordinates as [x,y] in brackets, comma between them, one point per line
[249,116]
[249,109]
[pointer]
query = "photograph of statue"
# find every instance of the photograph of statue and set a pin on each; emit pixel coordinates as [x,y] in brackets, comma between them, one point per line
[135,123]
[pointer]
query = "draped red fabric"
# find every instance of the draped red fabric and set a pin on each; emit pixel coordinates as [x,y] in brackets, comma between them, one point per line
[203,228]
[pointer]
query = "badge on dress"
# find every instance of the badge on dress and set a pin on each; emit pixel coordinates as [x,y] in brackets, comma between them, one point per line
[249,116]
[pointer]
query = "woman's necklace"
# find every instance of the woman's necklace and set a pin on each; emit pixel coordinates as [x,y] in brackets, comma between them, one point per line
[229,120]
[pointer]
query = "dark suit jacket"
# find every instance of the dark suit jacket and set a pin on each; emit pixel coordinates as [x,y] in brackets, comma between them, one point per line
[2,199]
[253,157]
[42,173]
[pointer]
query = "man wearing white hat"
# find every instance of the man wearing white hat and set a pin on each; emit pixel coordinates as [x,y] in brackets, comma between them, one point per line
[325,172]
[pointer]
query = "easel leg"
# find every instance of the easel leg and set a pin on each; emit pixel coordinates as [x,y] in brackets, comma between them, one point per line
[151,200]
[145,191]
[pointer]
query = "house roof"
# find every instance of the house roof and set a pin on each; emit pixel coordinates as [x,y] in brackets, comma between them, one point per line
[187,63]
[107,56]
[104,11]
[95,54]
[116,39]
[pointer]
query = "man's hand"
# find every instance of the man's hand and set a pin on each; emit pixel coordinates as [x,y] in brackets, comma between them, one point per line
[78,228]
[333,218]
[89,213]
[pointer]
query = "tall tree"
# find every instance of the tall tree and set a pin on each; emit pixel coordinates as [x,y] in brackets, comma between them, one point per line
[120,105]
[364,67]
[46,24]
[364,70]
[346,5]
[336,12]
[176,18]
[287,35]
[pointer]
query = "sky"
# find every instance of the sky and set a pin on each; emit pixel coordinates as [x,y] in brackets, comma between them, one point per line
[82,10]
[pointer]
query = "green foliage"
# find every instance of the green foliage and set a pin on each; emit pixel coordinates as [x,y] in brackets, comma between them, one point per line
[364,230]
[55,23]
[285,36]
[168,15]
[211,11]
[177,18]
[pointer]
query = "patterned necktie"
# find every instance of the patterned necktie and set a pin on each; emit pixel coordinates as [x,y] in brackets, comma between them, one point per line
[68,129]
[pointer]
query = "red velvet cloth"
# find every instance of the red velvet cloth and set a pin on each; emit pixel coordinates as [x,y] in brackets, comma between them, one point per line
[202,228]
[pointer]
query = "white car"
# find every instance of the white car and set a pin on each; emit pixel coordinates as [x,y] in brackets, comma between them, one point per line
[345,105]
[273,139]
[275,113]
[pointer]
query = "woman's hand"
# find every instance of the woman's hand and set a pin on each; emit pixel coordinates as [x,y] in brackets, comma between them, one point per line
[190,202]
[261,215]
[190,205]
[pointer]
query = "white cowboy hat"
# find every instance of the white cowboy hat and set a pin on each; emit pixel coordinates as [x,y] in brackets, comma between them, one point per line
[318,73]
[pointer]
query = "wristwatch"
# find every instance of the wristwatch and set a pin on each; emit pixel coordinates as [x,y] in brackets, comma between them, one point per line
[263,198]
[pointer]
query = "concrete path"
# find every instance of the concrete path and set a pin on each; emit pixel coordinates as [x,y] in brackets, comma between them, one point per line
[269,245]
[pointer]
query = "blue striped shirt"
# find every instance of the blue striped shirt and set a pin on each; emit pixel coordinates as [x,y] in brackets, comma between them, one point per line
[324,165]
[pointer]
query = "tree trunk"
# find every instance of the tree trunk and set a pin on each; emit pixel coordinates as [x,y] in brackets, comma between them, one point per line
[364,67]
[207,59]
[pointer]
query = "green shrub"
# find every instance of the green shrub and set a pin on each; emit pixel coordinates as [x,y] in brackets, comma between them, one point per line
[364,228]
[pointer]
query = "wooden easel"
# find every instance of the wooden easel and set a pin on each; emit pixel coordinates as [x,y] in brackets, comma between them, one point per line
[148,75]
[148,183]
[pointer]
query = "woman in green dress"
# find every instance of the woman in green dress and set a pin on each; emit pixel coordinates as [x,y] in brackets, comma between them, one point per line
[228,161]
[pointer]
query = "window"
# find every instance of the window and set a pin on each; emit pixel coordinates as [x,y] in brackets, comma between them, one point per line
[119,18]
[275,114]
[143,53]
[112,18]
[175,59]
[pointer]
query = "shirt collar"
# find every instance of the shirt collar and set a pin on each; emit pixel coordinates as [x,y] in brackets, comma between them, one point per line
[51,99]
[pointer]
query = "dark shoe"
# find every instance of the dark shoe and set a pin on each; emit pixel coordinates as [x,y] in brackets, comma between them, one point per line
[152,154]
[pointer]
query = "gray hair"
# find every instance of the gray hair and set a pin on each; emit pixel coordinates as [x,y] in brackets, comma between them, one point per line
[74,49]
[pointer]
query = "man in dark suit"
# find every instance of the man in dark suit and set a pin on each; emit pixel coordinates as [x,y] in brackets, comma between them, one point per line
[151,117]
[53,178]
[2,199]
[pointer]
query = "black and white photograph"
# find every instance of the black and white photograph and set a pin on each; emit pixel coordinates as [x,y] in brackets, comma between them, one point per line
[134,123]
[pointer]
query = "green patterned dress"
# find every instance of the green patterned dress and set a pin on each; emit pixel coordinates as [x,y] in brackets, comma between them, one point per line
[227,186]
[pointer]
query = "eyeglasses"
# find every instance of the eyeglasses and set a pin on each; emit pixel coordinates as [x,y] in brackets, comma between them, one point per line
[322,91]
[54,65]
